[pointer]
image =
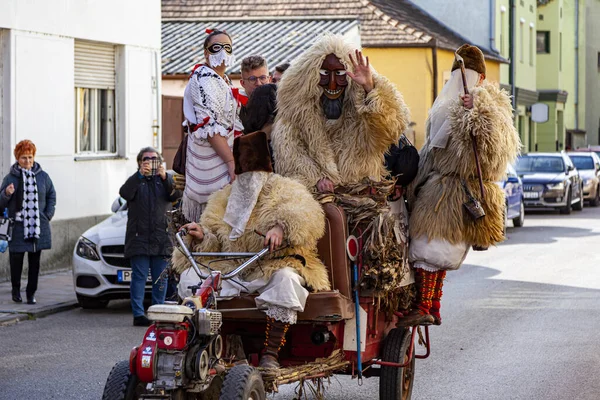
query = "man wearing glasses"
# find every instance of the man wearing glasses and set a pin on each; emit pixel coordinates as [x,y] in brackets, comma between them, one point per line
[255,73]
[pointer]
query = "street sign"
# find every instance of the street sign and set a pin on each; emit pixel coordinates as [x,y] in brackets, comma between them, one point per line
[539,112]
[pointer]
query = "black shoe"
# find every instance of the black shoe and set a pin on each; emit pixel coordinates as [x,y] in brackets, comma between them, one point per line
[141,321]
[31,300]
[16,297]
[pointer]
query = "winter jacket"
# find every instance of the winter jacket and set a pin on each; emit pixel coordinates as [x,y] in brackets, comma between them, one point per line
[149,199]
[14,203]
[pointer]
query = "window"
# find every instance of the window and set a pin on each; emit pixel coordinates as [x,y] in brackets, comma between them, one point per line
[522,44]
[502,17]
[560,51]
[95,126]
[543,42]
[531,49]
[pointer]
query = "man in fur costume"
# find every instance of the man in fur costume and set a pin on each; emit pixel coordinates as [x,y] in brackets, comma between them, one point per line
[260,201]
[332,130]
[441,230]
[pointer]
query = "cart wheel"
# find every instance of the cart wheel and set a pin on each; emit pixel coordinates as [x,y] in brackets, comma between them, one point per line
[397,383]
[243,382]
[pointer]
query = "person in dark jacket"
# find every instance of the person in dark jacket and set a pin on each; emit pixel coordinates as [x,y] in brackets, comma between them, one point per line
[28,193]
[149,193]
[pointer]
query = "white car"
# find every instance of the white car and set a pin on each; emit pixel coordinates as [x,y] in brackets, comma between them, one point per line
[100,270]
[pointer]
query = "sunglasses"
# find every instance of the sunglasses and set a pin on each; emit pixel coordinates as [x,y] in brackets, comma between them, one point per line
[150,158]
[217,47]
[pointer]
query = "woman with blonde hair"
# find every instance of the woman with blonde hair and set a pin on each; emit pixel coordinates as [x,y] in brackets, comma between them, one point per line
[28,193]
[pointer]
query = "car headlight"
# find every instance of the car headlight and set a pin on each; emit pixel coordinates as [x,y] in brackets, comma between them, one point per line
[586,182]
[556,186]
[87,249]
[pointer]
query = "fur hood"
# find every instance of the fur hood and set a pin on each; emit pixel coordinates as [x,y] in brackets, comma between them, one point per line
[309,147]
[282,201]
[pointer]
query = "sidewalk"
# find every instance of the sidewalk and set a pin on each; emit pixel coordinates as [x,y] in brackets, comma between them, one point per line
[55,294]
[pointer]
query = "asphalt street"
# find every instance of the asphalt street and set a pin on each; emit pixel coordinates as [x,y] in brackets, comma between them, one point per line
[521,321]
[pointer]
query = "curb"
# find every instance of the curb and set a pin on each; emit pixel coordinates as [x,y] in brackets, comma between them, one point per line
[11,318]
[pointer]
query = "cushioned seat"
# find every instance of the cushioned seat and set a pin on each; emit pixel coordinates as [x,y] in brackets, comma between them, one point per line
[333,305]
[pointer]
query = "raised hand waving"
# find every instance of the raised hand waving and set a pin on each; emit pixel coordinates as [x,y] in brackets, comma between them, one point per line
[361,72]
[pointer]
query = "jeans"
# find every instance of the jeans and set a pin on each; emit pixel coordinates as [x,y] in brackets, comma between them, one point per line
[16,269]
[140,265]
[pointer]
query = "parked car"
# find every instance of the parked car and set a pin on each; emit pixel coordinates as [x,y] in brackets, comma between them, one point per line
[588,165]
[550,180]
[589,148]
[513,191]
[100,270]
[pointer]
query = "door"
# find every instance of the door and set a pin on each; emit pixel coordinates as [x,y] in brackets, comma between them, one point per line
[172,117]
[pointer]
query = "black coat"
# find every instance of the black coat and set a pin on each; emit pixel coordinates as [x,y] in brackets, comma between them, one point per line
[148,200]
[14,203]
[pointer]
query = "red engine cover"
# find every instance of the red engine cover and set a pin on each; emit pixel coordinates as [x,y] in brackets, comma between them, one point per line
[146,356]
[174,337]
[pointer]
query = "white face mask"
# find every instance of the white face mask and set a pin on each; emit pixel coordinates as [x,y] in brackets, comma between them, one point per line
[215,60]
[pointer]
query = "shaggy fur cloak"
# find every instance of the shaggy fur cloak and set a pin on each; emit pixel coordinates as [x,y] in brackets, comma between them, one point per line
[282,201]
[437,195]
[308,147]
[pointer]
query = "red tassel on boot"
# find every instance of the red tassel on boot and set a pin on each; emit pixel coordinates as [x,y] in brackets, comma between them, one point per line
[437,298]
[425,282]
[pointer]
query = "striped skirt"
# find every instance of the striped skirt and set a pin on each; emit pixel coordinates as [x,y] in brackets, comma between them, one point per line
[205,173]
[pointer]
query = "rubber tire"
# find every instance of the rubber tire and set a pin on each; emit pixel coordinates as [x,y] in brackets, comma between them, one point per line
[520,220]
[243,382]
[596,201]
[91,303]
[579,205]
[120,384]
[566,210]
[392,380]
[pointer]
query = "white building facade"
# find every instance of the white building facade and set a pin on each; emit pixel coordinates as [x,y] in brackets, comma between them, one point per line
[81,79]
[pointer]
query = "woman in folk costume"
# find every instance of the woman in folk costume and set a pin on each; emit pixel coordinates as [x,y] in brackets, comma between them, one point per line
[441,228]
[331,130]
[283,209]
[210,107]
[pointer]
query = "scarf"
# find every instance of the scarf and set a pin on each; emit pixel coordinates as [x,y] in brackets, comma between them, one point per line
[30,213]
[243,197]
[439,131]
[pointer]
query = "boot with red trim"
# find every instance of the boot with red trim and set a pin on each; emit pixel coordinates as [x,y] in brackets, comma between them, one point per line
[274,341]
[437,298]
[419,315]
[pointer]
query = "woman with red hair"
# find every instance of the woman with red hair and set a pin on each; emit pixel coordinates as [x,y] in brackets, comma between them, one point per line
[28,193]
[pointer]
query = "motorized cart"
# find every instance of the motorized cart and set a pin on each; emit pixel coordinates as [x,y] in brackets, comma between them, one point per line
[188,353]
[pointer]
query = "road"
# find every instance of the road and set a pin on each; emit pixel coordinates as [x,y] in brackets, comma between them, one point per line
[521,321]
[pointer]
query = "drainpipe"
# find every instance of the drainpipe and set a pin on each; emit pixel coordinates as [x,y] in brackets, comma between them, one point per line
[493,26]
[512,16]
[434,61]
[577,64]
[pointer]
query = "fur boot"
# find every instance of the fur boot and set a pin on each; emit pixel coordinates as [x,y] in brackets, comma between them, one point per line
[274,341]
[419,315]
[437,297]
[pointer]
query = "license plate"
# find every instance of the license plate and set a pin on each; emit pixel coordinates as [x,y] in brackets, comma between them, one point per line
[124,275]
[531,195]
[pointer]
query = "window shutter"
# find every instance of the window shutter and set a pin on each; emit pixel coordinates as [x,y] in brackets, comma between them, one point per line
[94,65]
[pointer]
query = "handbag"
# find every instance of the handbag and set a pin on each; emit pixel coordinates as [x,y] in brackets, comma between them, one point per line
[402,161]
[180,156]
[6,228]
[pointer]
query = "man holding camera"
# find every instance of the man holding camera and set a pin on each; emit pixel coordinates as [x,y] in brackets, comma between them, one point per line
[149,193]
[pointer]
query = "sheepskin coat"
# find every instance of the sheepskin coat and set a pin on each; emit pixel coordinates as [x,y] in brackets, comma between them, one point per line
[437,196]
[309,147]
[282,201]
